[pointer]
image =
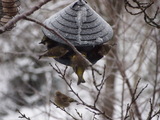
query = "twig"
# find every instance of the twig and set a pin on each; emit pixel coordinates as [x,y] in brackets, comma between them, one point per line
[23,115]
[143,8]
[99,112]
[156,114]
[82,102]
[152,102]
[94,117]
[101,86]
[133,101]
[135,90]
[151,110]
[64,110]
[62,75]
[79,114]
[124,76]
[139,93]
[122,99]
[94,80]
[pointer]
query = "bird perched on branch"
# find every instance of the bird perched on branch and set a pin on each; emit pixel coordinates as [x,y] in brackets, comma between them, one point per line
[55,52]
[79,66]
[62,100]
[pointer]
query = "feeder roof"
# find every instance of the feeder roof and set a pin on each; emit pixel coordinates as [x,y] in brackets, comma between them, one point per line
[79,24]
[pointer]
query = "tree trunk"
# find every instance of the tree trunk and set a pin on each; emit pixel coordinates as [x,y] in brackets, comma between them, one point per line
[109,9]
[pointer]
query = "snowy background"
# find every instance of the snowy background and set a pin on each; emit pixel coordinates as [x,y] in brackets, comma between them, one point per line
[28,84]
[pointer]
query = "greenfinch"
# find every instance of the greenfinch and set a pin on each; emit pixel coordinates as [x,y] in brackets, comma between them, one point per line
[62,100]
[79,66]
[55,52]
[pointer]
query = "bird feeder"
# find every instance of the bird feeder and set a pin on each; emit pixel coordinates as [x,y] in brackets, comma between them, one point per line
[81,26]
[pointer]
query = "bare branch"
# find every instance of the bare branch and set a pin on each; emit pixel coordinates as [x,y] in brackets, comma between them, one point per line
[23,115]
[101,86]
[142,7]
[124,76]
[156,114]
[82,102]
[79,114]
[63,109]
[133,101]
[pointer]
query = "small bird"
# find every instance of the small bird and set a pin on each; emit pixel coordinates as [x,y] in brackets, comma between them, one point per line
[62,100]
[79,66]
[55,52]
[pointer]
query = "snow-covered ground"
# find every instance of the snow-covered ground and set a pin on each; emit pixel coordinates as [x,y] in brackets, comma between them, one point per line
[28,84]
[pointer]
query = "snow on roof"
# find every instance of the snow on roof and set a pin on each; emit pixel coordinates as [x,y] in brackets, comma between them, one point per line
[79,24]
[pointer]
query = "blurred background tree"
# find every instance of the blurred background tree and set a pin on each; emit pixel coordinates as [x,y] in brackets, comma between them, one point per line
[28,84]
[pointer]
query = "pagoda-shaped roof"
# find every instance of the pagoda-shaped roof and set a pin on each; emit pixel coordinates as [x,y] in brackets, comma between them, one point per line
[79,24]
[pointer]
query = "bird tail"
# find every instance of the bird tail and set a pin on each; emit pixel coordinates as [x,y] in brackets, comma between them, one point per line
[80,80]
